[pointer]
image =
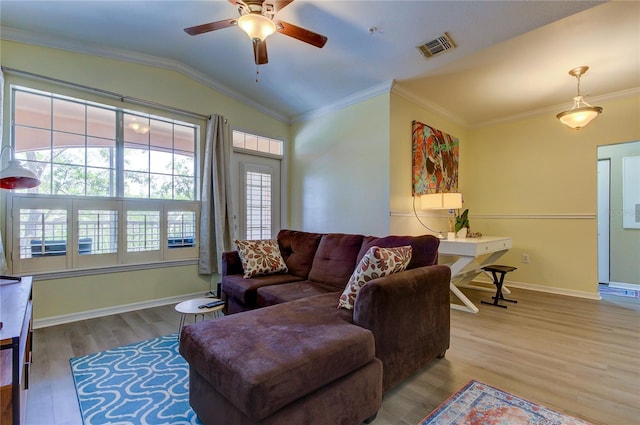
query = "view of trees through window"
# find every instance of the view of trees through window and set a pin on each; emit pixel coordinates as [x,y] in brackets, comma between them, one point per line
[113,182]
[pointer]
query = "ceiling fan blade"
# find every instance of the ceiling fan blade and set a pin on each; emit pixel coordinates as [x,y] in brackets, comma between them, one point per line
[279,4]
[301,34]
[211,26]
[260,52]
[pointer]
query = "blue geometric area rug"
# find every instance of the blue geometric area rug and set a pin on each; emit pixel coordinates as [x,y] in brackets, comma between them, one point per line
[137,384]
[480,404]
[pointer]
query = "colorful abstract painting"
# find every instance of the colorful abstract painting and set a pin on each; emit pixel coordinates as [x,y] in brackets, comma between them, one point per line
[435,160]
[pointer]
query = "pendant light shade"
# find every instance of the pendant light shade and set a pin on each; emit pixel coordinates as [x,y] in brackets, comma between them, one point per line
[15,176]
[256,26]
[582,113]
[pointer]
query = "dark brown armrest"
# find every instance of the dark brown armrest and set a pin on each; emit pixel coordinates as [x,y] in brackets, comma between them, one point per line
[231,263]
[409,315]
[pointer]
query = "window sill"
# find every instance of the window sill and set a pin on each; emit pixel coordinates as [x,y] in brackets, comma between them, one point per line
[62,274]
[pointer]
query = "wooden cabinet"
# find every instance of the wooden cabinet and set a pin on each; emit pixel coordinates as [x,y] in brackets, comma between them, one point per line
[15,355]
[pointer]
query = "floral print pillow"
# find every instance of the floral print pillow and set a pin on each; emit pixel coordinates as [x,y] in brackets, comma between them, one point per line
[260,257]
[377,262]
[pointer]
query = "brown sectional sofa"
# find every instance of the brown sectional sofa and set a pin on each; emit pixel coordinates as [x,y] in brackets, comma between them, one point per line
[292,356]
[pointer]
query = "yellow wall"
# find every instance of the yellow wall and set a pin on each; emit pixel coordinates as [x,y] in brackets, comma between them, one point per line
[339,168]
[535,179]
[403,219]
[72,296]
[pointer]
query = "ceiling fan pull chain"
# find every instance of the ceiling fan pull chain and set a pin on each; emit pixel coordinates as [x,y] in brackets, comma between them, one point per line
[257,72]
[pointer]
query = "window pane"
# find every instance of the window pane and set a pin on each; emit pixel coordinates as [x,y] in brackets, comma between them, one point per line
[136,157]
[136,185]
[32,110]
[30,139]
[68,116]
[69,156]
[97,231]
[161,162]
[183,188]
[68,180]
[101,153]
[161,186]
[258,205]
[161,135]
[143,231]
[136,129]
[100,182]
[184,138]
[101,122]
[43,232]
[181,230]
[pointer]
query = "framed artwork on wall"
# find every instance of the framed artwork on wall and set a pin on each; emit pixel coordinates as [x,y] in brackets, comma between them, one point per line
[435,160]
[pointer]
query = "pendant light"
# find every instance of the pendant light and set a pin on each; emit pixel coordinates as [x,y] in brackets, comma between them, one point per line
[15,176]
[582,113]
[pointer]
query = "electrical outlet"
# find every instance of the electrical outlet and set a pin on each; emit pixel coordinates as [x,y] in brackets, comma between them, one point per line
[525,258]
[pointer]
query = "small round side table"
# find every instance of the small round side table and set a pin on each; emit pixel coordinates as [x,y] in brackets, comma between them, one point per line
[191,307]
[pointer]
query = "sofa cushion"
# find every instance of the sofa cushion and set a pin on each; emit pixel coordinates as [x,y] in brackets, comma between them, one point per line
[264,359]
[298,249]
[424,248]
[335,259]
[377,262]
[244,290]
[277,294]
[260,257]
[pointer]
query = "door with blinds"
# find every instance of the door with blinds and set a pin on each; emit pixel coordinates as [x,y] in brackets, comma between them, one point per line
[256,196]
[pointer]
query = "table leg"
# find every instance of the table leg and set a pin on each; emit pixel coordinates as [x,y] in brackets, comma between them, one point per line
[181,325]
[468,304]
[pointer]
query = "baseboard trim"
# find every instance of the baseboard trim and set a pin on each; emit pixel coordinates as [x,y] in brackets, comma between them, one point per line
[101,312]
[542,288]
[623,285]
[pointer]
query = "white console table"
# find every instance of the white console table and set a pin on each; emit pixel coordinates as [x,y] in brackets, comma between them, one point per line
[466,257]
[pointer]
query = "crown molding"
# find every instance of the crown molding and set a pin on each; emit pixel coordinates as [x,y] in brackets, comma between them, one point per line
[445,113]
[28,37]
[357,97]
[561,107]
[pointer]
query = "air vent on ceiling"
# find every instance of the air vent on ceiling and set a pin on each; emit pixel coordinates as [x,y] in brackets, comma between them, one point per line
[437,46]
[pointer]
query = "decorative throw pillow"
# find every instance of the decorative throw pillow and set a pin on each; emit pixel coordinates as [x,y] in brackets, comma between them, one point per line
[377,262]
[260,257]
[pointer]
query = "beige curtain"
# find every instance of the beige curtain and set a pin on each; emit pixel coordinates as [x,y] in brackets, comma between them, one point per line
[216,214]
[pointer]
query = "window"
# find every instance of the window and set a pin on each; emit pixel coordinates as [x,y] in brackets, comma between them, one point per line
[118,186]
[256,143]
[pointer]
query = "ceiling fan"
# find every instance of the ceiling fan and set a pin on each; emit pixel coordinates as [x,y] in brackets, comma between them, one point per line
[256,19]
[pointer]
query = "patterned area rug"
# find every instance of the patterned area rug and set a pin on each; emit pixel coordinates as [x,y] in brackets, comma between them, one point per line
[480,404]
[137,384]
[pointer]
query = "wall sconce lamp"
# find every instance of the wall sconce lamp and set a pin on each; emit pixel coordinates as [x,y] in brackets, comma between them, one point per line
[582,113]
[15,176]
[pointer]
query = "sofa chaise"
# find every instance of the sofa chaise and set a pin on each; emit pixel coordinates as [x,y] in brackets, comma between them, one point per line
[286,353]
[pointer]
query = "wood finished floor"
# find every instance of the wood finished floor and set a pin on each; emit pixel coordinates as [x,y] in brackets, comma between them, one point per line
[573,355]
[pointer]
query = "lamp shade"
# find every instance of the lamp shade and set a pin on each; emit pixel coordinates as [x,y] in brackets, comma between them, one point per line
[579,117]
[441,201]
[15,176]
[256,26]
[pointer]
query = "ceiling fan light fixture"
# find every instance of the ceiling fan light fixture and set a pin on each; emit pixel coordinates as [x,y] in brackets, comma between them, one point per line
[256,26]
[582,113]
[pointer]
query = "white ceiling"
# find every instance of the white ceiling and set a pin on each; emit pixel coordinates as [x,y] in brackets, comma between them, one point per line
[512,57]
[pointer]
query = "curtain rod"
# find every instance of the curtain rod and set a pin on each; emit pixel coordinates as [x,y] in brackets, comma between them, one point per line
[106,93]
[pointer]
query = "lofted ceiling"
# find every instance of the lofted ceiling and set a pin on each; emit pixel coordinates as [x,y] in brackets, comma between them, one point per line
[512,57]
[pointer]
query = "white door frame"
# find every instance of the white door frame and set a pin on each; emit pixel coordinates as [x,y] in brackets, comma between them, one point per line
[604,208]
